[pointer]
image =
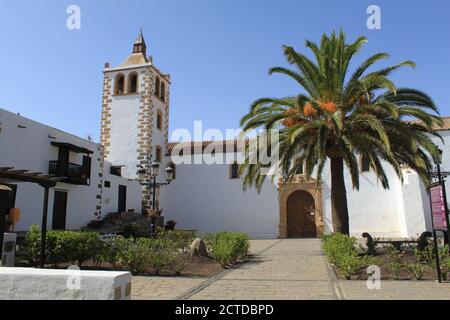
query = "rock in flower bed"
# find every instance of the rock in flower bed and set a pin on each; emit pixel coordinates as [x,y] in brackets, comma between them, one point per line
[167,254]
[351,260]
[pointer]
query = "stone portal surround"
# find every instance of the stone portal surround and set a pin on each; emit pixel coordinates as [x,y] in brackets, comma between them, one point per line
[300,183]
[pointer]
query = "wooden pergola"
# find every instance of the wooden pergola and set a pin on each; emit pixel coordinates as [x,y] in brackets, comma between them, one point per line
[9,174]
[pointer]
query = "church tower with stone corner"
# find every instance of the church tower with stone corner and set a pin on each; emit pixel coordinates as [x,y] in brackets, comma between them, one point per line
[135,114]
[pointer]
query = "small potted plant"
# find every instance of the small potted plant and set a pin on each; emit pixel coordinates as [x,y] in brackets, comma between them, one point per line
[170,225]
[154,212]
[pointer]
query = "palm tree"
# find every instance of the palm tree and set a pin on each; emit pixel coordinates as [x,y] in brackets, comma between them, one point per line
[340,116]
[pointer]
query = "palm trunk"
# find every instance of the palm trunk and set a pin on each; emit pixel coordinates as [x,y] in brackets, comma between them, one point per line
[339,208]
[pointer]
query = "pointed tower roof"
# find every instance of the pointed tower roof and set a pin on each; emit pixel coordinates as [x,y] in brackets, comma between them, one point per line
[140,39]
[139,55]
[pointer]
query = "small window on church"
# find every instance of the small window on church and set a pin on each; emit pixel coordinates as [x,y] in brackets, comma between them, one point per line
[158,156]
[157,86]
[159,120]
[119,84]
[365,164]
[163,91]
[234,171]
[133,83]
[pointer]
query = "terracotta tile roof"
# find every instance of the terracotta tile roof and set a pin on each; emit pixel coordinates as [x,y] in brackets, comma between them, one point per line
[445,124]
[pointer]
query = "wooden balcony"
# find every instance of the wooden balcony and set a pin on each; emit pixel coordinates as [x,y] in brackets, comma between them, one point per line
[70,172]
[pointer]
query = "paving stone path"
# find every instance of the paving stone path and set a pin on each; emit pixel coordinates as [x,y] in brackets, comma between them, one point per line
[286,270]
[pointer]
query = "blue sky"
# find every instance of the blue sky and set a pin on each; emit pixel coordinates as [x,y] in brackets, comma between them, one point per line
[218,52]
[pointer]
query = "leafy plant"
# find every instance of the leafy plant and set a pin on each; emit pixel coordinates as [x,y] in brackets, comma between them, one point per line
[144,255]
[343,252]
[444,258]
[227,247]
[350,264]
[417,269]
[426,255]
[181,238]
[61,246]
[395,264]
[30,249]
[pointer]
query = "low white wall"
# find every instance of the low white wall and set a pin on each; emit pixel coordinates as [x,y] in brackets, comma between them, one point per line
[48,284]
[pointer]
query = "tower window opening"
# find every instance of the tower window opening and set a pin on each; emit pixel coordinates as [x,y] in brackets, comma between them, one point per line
[158,156]
[163,91]
[157,86]
[133,83]
[159,120]
[120,84]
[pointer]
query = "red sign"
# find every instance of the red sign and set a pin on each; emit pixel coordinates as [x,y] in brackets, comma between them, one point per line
[438,207]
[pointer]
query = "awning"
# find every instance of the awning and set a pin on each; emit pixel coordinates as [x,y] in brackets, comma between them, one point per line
[71,147]
[9,174]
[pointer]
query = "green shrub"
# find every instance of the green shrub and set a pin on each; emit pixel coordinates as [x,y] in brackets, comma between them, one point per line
[163,255]
[350,264]
[30,249]
[427,254]
[341,251]
[144,255]
[337,245]
[395,264]
[227,247]
[181,238]
[133,254]
[417,269]
[61,246]
[444,259]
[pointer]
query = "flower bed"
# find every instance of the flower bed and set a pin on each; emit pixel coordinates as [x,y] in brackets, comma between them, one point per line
[167,254]
[351,261]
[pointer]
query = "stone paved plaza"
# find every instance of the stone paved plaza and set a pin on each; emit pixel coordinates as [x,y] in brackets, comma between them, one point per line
[286,270]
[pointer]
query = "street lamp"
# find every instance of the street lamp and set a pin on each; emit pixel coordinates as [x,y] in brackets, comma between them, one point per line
[152,174]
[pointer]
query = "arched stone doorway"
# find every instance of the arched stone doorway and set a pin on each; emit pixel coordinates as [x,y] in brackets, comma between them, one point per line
[289,222]
[301,222]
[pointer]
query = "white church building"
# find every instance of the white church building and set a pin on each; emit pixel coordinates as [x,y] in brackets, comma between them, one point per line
[208,198]
[103,178]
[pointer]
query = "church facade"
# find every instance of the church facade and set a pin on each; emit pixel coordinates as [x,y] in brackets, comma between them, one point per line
[210,197]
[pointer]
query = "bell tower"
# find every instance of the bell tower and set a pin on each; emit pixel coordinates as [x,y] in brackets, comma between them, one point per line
[135,114]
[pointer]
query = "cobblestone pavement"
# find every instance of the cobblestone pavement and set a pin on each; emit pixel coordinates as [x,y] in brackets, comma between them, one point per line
[285,270]
[278,269]
[396,290]
[162,288]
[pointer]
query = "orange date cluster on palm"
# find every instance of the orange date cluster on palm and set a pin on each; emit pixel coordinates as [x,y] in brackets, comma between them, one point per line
[292,118]
[310,111]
